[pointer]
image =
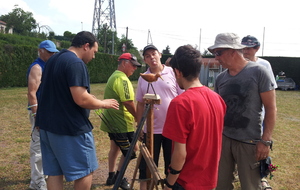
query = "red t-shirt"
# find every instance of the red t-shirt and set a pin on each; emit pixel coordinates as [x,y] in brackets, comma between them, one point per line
[196,118]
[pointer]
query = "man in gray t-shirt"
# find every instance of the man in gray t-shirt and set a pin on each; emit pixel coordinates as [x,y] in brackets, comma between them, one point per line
[245,87]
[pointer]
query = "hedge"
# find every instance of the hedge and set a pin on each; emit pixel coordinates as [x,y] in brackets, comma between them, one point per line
[15,60]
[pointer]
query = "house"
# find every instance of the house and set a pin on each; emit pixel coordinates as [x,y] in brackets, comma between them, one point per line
[210,68]
[3,27]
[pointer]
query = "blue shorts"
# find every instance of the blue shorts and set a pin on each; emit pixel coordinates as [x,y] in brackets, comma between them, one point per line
[71,156]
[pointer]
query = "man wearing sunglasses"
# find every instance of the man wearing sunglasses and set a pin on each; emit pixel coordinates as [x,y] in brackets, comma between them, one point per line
[245,87]
[34,74]
[119,124]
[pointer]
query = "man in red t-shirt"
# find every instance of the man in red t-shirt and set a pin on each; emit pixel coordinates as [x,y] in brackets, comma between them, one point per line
[194,123]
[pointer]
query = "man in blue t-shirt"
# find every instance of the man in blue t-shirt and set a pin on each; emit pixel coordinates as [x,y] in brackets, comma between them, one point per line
[34,74]
[67,141]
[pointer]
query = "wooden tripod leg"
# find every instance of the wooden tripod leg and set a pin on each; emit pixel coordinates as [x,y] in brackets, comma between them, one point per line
[138,161]
[156,178]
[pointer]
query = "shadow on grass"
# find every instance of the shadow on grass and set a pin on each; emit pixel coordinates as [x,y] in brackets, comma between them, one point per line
[8,184]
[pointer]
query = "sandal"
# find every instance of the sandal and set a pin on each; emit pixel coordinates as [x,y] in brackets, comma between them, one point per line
[265,185]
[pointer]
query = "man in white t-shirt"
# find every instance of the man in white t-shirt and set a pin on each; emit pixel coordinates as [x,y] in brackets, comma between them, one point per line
[249,52]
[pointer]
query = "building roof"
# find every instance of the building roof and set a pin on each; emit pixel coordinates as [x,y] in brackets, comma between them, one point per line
[2,22]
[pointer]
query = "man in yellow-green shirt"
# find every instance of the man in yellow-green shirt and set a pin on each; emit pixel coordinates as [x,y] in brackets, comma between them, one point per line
[119,124]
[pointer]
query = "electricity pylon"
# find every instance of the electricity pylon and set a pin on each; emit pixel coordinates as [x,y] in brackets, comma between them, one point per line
[104,13]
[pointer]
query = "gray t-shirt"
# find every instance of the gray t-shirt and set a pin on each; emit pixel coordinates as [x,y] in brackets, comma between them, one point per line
[241,94]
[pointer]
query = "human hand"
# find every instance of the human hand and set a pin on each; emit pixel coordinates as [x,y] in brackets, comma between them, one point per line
[110,103]
[262,151]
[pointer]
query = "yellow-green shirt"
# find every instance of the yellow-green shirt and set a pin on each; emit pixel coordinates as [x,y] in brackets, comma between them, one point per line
[120,88]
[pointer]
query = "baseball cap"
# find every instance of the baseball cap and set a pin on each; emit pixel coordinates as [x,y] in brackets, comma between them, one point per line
[130,57]
[149,47]
[48,45]
[227,40]
[250,41]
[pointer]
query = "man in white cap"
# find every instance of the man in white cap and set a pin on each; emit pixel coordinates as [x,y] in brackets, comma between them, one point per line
[34,74]
[245,87]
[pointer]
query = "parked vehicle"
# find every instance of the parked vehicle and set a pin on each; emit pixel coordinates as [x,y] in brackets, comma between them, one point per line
[286,84]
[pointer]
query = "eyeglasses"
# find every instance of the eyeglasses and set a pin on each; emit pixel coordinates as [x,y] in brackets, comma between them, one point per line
[219,52]
[128,61]
[133,65]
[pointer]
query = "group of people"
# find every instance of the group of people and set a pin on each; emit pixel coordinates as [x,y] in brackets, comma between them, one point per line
[204,134]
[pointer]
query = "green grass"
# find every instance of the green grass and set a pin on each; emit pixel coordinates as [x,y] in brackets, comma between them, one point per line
[15,139]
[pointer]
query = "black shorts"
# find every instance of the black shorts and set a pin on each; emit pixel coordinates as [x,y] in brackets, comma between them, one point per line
[123,140]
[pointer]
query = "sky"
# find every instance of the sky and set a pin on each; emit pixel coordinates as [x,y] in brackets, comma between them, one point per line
[174,23]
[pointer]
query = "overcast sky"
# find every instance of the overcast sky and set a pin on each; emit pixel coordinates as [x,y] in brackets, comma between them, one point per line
[176,23]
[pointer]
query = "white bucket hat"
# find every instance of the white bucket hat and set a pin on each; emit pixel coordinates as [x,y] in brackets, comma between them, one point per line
[227,40]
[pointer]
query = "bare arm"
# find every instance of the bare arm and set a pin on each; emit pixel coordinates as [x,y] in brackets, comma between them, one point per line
[34,81]
[88,101]
[130,107]
[177,162]
[269,102]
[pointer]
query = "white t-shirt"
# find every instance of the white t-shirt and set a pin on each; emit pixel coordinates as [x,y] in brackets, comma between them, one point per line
[267,64]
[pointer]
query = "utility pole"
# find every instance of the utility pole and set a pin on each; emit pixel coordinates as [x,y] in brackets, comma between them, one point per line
[149,37]
[200,41]
[263,44]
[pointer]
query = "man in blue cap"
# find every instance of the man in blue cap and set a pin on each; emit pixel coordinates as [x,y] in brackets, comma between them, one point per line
[34,74]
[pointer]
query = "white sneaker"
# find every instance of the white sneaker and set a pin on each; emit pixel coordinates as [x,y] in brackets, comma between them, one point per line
[38,187]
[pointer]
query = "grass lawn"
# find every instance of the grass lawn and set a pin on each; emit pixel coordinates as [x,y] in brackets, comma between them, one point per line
[15,139]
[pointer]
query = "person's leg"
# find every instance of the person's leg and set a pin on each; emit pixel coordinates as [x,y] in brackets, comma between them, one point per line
[55,182]
[167,151]
[127,137]
[226,166]
[248,167]
[156,151]
[37,175]
[142,170]
[112,156]
[112,160]
[84,183]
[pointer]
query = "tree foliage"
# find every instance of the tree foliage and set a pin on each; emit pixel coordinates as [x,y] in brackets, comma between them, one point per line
[68,36]
[22,22]
[166,51]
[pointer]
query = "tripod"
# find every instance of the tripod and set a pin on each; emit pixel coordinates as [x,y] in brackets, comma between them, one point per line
[146,152]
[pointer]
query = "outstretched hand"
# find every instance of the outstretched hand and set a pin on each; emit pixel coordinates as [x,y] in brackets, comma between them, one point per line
[110,103]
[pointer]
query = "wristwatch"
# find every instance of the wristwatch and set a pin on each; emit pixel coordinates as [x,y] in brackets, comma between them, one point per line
[267,143]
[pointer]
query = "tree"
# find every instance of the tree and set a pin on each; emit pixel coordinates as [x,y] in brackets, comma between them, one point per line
[105,35]
[22,22]
[105,41]
[166,51]
[68,36]
[51,35]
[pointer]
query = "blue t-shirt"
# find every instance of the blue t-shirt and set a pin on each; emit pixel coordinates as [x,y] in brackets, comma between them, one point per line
[57,112]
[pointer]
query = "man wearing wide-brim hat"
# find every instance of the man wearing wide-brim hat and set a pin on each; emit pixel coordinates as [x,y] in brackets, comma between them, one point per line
[245,86]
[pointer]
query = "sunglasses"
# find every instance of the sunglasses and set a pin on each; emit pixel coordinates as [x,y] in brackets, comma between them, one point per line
[219,52]
[128,61]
